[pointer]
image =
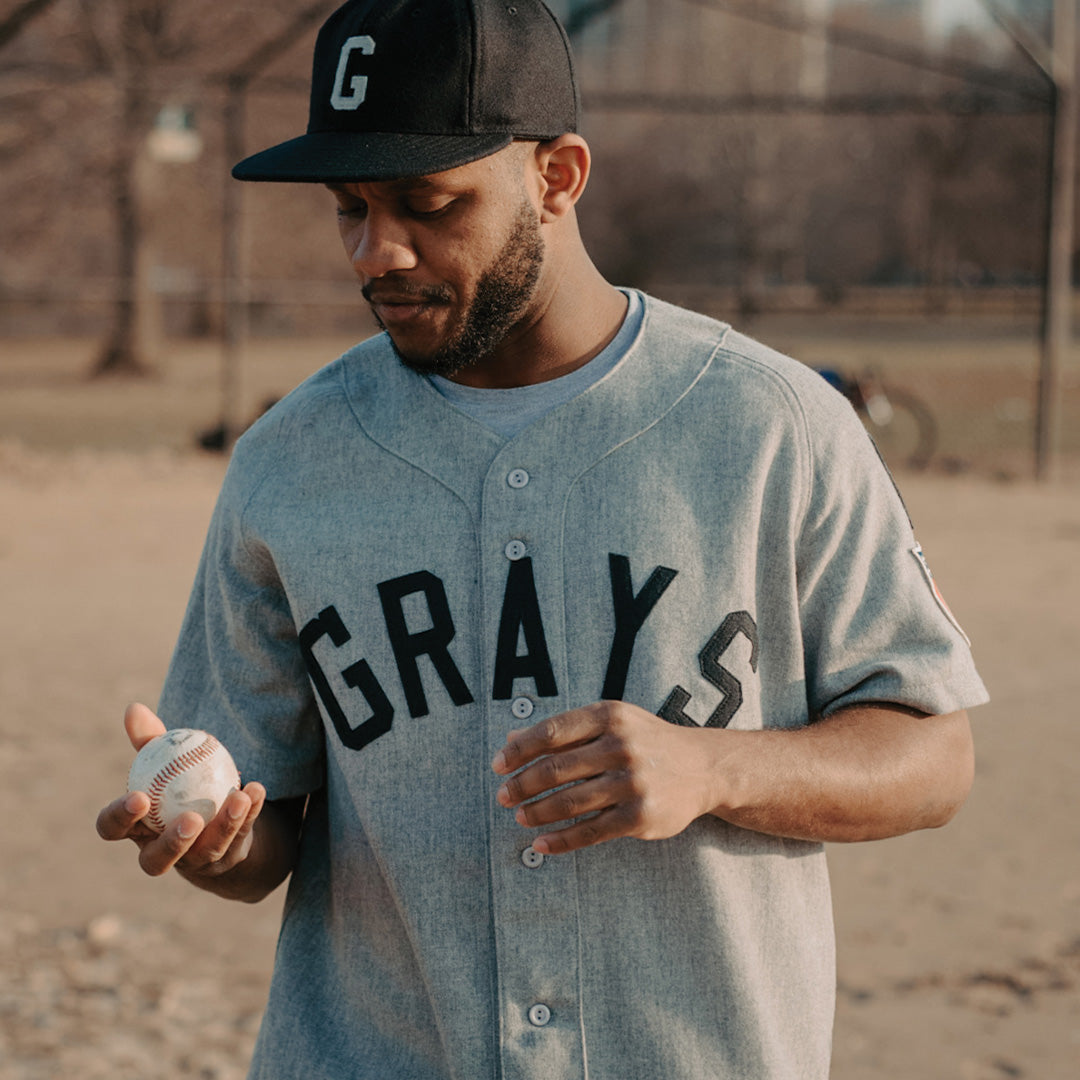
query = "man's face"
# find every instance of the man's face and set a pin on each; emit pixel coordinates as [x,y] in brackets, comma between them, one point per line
[449,262]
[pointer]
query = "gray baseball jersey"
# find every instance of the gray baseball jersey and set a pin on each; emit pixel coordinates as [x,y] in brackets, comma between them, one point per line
[388,587]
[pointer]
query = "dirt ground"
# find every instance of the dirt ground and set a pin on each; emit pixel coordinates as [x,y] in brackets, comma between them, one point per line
[959,950]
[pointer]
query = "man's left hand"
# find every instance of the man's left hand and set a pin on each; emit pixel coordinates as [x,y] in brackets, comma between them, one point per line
[626,771]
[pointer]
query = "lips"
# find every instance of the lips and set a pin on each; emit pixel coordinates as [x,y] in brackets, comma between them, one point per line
[378,299]
[391,312]
[398,307]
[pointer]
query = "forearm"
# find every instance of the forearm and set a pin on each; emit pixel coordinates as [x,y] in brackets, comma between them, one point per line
[863,774]
[613,769]
[275,838]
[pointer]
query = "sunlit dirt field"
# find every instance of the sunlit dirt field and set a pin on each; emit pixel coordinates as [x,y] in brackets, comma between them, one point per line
[959,950]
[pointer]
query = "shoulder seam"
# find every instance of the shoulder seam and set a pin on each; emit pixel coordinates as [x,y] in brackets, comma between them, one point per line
[795,406]
[286,424]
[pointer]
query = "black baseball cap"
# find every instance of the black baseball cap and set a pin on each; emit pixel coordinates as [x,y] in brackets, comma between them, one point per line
[404,88]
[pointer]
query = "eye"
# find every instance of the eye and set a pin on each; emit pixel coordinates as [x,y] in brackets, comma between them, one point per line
[350,209]
[430,207]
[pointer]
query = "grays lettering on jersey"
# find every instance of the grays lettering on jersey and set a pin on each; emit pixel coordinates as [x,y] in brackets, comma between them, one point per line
[389,587]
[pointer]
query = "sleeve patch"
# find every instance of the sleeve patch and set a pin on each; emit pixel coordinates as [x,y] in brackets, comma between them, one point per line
[917,551]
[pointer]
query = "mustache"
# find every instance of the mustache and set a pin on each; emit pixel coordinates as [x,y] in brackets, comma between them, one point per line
[403,292]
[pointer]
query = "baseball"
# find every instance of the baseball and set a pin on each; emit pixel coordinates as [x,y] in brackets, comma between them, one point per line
[183,769]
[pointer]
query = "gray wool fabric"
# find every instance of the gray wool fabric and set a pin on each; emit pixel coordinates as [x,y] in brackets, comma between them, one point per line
[389,587]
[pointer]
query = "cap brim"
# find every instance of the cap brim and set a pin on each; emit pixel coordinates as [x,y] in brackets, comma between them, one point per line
[342,157]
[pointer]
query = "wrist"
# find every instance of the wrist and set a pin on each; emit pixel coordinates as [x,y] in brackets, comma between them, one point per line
[740,774]
[717,783]
[264,861]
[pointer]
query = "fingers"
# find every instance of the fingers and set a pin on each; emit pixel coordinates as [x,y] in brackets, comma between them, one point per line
[555,733]
[607,825]
[196,849]
[608,770]
[606,807]
[227,839]
[122,819]
[564,749]
[555,770]
[571,756]
[122,816]
[141,725]
[162,852]
[572,802]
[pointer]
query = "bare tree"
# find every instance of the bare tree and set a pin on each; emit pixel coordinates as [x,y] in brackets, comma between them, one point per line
[136,41]
[87,83]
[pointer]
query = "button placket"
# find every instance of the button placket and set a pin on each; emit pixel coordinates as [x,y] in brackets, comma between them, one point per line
[516,549]
[534,980]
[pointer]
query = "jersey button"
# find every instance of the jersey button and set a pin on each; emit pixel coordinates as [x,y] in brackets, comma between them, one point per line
[517,478]
[522,708]
[515,550]
[532,858]
[539,1014]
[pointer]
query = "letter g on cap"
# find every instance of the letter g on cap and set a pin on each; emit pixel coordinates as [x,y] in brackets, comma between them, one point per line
[358,83]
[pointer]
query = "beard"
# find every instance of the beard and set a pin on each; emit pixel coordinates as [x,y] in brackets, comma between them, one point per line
[502,297]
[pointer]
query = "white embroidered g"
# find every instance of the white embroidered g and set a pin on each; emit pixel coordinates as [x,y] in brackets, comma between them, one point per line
[358,83]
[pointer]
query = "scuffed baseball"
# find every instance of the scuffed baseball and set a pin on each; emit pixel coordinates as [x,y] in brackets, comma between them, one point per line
[184,769]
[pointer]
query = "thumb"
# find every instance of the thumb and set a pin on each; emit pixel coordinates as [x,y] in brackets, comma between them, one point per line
[141,725]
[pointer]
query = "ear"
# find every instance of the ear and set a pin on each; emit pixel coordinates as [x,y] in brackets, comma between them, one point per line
[563,166]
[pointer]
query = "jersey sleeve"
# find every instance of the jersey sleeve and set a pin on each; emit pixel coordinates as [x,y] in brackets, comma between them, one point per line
[875,625]
[237,670]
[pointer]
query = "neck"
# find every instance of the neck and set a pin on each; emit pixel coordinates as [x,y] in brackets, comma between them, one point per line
[575,315]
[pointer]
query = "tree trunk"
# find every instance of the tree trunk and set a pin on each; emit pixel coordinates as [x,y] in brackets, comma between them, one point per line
[131,343]
[124,350]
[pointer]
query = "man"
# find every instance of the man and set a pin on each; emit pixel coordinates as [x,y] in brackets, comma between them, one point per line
[557,627]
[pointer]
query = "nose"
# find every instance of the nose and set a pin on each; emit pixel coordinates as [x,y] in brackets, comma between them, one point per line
[379,244]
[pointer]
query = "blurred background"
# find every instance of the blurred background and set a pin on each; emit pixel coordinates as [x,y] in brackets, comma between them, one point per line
[885,189]
[865,183]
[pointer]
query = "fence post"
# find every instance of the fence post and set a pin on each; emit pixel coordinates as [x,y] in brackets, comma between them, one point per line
[1057,318]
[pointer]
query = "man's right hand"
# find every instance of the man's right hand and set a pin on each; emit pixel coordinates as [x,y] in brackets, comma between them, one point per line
[220,856]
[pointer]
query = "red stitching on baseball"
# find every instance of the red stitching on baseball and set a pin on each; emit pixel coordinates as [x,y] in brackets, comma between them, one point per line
[179,764]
